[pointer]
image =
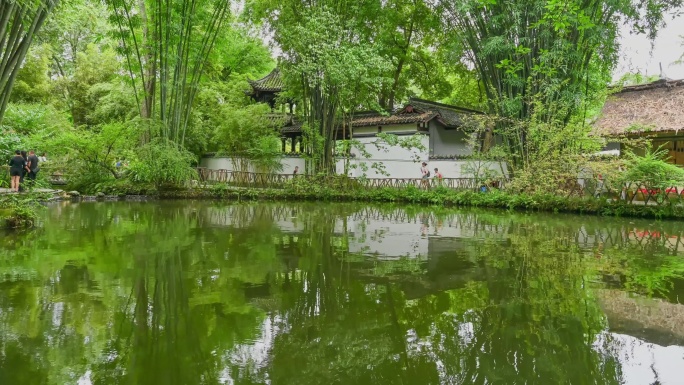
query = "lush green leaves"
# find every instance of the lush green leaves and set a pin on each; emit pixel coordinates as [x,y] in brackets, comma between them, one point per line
[652,170]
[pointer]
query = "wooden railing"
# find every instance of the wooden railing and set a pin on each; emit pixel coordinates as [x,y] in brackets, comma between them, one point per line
[258,180]
[633,192]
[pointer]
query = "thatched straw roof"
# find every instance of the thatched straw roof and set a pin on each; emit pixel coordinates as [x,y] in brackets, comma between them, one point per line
[653,107]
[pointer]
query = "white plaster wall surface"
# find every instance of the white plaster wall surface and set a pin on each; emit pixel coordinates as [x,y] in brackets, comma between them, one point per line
[385,152]
[459,168]
[222,163]
[217,163]
[448,142]
[398,162]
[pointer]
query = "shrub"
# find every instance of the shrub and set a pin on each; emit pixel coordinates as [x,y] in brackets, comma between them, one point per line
[652,170]
[18,211]
[162,164]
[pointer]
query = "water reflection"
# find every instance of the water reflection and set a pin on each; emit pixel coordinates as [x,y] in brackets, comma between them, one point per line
[194,293]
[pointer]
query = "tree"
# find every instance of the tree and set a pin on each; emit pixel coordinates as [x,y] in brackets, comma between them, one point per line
[19,22]
[544,60]
[238,51]
[166,45]
[81,55]
[330,65]
[408,32]
[248,137]
[32,84]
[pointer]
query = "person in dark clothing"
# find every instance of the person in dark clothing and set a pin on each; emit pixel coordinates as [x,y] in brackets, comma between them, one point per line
[17,167]
[24,171]
[33,167]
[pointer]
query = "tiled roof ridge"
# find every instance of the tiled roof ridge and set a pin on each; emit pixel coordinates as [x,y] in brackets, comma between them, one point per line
[442,105]
[270,82]
[379,119]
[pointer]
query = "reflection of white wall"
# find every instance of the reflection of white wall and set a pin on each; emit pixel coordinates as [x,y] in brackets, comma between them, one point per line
[636,358]
[388,239]
[226,216]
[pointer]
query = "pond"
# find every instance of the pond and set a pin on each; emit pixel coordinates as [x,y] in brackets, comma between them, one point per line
[216,293]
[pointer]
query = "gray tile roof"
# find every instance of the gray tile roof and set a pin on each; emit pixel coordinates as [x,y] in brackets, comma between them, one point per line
[365,119]
[272,82]
[450,116]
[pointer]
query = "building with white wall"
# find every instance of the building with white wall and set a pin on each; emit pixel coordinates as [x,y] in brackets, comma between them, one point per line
[445,141]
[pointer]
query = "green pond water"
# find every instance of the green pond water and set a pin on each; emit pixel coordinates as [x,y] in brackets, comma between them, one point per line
[308,294]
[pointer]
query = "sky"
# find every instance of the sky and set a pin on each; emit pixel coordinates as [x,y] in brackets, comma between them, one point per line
[636,55]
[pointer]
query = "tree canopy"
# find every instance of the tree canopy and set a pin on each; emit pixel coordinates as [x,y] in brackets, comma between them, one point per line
[178,70]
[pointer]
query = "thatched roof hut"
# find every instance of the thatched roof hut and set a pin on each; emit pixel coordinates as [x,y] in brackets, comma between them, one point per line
[656,107]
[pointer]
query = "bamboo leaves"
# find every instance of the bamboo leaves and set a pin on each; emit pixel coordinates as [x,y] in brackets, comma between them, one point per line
[167,44]
[19,22]
[544,60]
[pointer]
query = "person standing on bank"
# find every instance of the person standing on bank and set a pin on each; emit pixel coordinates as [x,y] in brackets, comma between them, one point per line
[33,162]
[424,171]
[438,176]
[24,171]
[425,175]
[17,167]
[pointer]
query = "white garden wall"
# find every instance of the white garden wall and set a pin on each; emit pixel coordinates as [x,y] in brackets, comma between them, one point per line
[223,163]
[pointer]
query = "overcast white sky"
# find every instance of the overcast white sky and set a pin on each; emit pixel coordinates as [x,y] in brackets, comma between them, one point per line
[636,55]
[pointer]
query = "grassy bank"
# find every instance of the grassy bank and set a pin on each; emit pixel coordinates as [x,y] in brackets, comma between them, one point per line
[19,210]
[441,197]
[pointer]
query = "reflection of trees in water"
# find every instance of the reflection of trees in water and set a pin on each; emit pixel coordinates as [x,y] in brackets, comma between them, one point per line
[531,320]
[173,293]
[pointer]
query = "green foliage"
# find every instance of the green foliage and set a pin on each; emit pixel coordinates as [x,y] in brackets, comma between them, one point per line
[18,211]
[652,170]
[544,62]
[162,164]
[407,35]
[238,51]
[340,188]
[95,69]
[32,84]
[88,158]
[9,143]
[39,120]
[248,136]
[167,46]
[332,68]
[20,22]
[633,79]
